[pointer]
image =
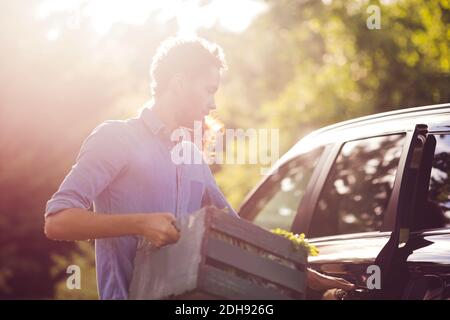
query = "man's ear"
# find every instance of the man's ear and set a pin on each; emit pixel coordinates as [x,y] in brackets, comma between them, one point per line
[178,83]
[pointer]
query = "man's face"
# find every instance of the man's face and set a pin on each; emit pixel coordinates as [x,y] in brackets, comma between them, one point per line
[197,97]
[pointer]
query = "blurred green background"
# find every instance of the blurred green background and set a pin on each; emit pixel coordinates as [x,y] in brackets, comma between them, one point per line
[293,65]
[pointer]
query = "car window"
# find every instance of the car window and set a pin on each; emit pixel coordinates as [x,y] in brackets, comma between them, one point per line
[438,204]
[275,203]
[358,188]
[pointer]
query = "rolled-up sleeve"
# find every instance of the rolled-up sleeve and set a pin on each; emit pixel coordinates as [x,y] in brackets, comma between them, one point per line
[101,158]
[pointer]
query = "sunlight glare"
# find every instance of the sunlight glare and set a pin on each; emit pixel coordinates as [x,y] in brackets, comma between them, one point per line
[233,15]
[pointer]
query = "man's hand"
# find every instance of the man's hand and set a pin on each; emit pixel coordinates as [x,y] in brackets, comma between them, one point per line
[320,282]
[159,228]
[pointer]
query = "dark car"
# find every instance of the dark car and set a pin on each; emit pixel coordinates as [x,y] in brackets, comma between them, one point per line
[373,195]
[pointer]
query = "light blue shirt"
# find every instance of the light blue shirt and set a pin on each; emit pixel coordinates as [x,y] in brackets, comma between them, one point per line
[126,167]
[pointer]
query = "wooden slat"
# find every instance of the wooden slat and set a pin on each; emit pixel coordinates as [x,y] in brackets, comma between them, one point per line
[232,287]
[258,237]
[172,270]
[256,265]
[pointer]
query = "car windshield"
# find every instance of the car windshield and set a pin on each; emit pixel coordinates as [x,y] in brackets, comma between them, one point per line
[275,203]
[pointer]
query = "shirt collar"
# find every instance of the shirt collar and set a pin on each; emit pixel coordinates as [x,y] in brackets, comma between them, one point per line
[152,121]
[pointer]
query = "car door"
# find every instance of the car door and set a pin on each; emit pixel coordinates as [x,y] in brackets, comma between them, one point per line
[350,221]
[424,261]
[413,262]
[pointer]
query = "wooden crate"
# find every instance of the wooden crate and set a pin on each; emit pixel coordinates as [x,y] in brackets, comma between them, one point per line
[220,257]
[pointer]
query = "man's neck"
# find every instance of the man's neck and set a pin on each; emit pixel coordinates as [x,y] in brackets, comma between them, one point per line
[164,109]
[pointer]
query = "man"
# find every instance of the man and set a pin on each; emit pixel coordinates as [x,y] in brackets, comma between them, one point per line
[125,169]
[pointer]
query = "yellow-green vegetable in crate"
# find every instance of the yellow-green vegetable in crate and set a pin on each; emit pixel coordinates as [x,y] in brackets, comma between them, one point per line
[298,240]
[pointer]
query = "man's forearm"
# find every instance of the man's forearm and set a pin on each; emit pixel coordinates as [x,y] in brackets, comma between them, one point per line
[79,224]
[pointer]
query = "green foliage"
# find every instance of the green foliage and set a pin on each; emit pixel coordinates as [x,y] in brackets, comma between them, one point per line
[298,240]
[307,64]
[84,258]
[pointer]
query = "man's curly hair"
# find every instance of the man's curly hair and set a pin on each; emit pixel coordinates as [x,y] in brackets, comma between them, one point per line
[181,55]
